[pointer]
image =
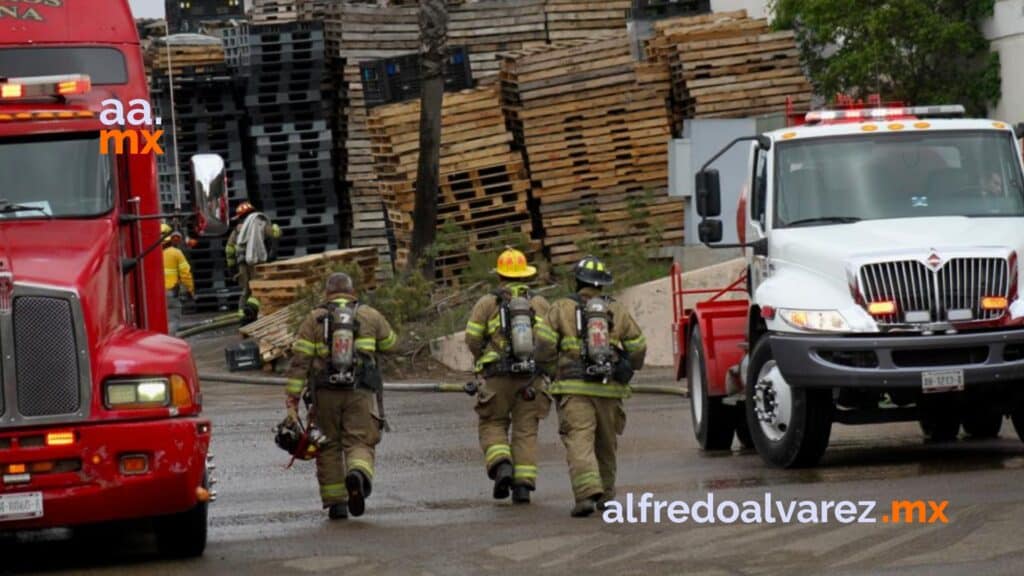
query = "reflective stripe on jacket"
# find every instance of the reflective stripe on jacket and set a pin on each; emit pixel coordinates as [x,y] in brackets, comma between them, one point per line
[483,330]
[177,270]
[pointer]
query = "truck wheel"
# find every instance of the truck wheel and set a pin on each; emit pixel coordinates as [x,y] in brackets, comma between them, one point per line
[790,426]
[713,421]
[940,417]
[742,428]
[1018,422]
[183,535]
[981,420]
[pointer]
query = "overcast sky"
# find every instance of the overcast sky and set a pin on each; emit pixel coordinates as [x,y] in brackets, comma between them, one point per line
[150,8]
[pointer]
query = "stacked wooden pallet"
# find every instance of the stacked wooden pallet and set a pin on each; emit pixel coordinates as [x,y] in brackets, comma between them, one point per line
[483,189]
[279,284]
[185,54]
[596,141]
[575,19]
[732,67]
[354,34]
[275,11]
[275,332]
[490,27]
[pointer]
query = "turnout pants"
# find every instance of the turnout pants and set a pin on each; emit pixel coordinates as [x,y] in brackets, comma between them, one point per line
[350,421]
[501,407]
[589,427]
[173,311]
[245,274]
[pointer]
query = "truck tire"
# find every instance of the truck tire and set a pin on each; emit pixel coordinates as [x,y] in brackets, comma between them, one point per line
[981,421]
[183,535]
[1018,422]
[713,421]
[790,427]
[940,416]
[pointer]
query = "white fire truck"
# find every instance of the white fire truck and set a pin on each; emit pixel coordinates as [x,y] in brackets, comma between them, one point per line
[882,284]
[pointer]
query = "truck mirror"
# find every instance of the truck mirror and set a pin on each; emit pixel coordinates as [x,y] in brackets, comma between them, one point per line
[709,193]
[210,194]
[710,231]
[1018,130]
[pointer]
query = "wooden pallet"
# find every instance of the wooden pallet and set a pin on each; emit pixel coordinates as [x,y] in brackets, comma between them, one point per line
[274,332]
[279,284]
[206,54]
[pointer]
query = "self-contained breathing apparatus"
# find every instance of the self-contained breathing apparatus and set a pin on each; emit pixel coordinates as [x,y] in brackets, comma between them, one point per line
[346,366]
[516,319]
[600,360]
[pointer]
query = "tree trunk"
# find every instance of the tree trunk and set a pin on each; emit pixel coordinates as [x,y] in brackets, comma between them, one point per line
[433,40]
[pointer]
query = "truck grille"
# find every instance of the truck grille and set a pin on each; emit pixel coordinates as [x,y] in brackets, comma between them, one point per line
[950,293]
[46,357]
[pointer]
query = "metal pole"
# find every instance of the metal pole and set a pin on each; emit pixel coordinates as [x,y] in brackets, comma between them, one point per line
[174,123]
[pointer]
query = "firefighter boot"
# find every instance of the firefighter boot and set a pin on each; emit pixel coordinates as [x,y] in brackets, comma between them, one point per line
[337,511]
[502,480]
[521,494]
[584,507]
[358,486]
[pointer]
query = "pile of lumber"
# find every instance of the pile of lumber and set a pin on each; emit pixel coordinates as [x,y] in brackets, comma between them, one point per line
[573,19]
[490,27]
[274,332]
[275,11]
[596,141]
[354,34]
[280,284]
[483,187]
[185,54]
[729,65]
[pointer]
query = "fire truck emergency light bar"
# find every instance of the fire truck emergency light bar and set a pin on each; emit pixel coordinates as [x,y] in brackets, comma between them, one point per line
[945,111]
[44,86]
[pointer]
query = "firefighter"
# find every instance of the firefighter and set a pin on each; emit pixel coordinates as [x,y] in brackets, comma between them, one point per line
[507,392]
[177,275]
[591,346]
[252,241]
[334,363]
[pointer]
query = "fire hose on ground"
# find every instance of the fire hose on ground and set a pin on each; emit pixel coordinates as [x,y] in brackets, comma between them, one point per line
[231,378]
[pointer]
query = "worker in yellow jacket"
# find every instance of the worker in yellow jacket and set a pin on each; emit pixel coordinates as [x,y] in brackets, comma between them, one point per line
[591,345]
[177,276]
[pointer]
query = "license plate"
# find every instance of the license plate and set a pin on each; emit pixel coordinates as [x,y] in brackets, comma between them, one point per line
[942,381]
[21,506]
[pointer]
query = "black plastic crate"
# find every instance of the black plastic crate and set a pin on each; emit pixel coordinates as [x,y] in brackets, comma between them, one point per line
[243,356]
[288,127]
[397,79]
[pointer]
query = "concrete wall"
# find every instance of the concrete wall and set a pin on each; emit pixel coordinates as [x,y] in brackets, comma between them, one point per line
[754,8]
[1005,30]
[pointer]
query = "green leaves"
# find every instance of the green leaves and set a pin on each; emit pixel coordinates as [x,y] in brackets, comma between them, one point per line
[912,51]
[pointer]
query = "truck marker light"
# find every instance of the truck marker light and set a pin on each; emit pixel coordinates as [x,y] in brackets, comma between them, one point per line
[922,125]
[80,86]
[181,397]
[16,468]
[999,125]
[869,127]
[767,312]
[895,126]
[994,303]
[882,308]
[11,90]
[42,467]
[64,438]
[133,464]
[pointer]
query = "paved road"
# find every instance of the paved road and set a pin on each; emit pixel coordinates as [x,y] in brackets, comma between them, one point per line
[431,512]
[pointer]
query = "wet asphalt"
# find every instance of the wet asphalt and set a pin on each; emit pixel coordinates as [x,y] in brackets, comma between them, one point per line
[431,511]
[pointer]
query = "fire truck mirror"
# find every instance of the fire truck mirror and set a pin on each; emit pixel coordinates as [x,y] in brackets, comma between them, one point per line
[709,193]
[1019,130]
[710,231]
[210,194]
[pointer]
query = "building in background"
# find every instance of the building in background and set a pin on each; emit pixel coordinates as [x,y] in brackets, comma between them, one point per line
[186,15]
[1005,30]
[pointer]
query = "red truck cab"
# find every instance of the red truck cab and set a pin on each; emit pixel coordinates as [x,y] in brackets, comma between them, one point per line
[99,407]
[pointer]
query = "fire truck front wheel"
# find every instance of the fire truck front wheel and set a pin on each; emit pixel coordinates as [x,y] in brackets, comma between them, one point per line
[713,421]
[790,426]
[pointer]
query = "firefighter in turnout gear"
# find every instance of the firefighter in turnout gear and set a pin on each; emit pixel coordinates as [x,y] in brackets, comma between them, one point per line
[334,364]
[177,276]
[509,393]
[253,240]
[591,346]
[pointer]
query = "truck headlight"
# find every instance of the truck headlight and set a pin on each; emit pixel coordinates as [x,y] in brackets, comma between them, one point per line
[817,320]
[140,393]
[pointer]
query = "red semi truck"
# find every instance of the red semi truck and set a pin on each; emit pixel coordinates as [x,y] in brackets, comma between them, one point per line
[99,407]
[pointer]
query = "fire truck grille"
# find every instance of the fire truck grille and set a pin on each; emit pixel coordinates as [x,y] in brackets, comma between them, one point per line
[952,293]
[46,358]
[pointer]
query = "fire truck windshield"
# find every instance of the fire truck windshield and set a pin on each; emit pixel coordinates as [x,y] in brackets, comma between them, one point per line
[846,179]
[61,176]
[102,65]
